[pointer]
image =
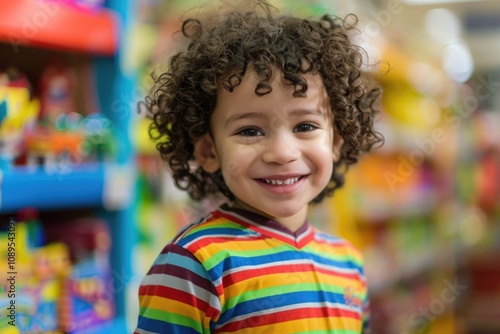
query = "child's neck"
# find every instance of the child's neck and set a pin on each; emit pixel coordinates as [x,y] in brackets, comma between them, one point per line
[293,223]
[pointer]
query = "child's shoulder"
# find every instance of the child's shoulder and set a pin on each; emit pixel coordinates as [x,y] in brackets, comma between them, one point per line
[210,229]
[338,245]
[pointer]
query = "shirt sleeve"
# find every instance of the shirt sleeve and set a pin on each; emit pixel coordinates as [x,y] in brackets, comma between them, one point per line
[177,295]
[365,303]
[366,315]
[358,261]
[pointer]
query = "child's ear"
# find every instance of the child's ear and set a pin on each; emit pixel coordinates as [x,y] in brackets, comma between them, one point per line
[337,145]
[205,153]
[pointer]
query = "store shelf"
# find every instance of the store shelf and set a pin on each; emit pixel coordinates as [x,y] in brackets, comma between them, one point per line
[376,205]
[106,188]
[85,185]
[50,24]
[428,260]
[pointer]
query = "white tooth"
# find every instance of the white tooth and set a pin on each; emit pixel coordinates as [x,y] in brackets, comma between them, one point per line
[282,182]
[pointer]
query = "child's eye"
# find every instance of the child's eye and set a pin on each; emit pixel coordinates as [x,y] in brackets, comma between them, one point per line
[250,132]
[304,127]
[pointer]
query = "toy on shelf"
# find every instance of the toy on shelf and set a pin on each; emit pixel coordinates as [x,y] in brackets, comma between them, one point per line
[72,140]
[88,291]
[65,285]
[45,143]
[18,115]
[49,132]
[51,269]
[65,137]
[57,96]
[13,78]
[39,273]
[99,142]
[52,148]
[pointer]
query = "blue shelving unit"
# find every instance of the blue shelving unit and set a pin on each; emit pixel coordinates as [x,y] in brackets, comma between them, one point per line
[80,187]
[106,187]
[123,231]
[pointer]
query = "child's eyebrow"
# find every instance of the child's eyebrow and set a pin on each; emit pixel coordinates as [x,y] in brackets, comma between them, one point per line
[302,112]
[253,115]
[248,115]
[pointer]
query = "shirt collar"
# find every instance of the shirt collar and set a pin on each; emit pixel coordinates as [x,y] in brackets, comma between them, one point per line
[267,226]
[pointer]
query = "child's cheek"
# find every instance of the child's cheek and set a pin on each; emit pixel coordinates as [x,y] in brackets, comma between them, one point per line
[231,160]
[231,169]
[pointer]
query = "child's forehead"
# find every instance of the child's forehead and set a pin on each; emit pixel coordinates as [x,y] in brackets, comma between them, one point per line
[281,100]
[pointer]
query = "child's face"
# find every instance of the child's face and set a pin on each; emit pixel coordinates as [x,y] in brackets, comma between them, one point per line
[276,151]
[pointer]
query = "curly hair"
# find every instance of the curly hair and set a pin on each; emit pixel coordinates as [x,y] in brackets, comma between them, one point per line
[218,56]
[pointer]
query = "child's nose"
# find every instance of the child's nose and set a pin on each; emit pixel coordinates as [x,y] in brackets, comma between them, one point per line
[281,149]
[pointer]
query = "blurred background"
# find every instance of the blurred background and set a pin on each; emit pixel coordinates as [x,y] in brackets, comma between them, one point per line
[86,205]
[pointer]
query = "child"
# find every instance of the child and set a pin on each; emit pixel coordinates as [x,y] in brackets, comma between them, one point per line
[269,112]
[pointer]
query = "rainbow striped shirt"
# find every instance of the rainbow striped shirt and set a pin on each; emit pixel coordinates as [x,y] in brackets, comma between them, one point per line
[238,272]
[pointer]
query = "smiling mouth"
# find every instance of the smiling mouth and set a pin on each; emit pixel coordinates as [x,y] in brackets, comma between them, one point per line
[285,182]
